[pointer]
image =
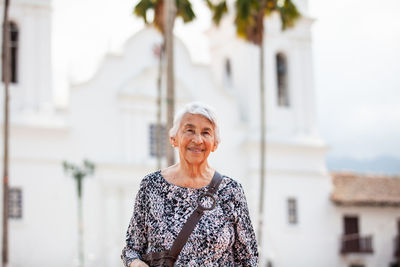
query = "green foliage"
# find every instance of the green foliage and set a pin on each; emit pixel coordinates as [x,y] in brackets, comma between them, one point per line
[218,10]
[78,172]
[246,18]
[142,7]
[245,9]
[183,10]
[249,16]
[289,14]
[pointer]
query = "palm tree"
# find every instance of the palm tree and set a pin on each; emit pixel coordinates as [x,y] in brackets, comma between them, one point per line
[159,52]
[6,79]
[79,173]
[249,23]
[165,13]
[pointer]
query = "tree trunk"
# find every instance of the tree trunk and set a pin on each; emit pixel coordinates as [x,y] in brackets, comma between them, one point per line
[262,148]
[6,78]
[81,254]
[170,11]
[158,127]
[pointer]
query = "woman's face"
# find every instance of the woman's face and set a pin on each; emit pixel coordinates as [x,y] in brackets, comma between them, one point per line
[195,138]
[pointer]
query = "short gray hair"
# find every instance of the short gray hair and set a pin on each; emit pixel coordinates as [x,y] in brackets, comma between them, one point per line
[200,109]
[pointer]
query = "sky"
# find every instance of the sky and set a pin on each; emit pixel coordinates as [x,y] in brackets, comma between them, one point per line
[356,57]
[357,76]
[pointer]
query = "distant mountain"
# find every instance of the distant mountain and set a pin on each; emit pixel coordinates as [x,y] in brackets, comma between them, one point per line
[380,165]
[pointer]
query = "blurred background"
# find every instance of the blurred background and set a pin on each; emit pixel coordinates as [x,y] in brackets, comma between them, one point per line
[85,80]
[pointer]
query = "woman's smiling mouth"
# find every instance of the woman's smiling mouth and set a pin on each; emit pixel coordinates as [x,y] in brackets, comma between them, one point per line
[195,150]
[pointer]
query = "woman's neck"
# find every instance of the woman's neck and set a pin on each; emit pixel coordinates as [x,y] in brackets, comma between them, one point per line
[194,170]
[189,175]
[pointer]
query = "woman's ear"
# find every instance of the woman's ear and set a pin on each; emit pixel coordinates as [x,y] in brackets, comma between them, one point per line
[215,147]
[173,142]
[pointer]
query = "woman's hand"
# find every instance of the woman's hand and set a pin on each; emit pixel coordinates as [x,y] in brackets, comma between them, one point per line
[138,263]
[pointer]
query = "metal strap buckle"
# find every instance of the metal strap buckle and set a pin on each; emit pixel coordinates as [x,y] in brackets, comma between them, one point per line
[202,197]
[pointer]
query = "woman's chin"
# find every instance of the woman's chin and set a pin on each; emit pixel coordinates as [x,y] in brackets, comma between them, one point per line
[195,160]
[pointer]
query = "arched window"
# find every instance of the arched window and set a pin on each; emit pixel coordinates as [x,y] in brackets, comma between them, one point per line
[282,79]
[228,68]
[13,51]
[227,73]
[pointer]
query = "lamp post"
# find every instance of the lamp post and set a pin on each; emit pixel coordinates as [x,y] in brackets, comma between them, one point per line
[79,173]
[6,79]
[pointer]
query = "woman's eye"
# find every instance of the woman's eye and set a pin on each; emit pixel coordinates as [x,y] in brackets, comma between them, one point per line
[206,133]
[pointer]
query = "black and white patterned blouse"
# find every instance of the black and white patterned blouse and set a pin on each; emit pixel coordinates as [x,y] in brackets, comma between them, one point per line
[224,236]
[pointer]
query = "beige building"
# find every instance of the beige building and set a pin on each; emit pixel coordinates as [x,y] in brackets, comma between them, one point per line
[369,210]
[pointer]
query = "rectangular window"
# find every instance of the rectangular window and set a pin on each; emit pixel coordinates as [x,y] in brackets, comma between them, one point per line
[13,33]
[292,210]
[15,203]
[282,80]
[350,224]
[351,240]
[158,137]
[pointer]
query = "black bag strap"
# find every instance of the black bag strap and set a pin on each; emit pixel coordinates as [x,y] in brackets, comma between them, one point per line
[194,218]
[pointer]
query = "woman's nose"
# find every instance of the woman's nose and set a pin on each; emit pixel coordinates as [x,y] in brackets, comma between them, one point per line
[196,139]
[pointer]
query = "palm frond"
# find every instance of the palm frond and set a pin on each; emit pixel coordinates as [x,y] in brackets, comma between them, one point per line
[218,10]
[184,10]
[289,14]
[142,7]
[249,15]
[270,6]
[247,20]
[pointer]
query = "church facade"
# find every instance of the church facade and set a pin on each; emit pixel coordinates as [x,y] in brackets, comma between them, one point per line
[110,121]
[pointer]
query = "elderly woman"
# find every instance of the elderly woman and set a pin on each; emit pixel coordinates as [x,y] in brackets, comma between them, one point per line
[224,234]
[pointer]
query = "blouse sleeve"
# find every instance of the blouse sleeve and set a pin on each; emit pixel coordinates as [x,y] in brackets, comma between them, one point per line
[136,235]
[245,247]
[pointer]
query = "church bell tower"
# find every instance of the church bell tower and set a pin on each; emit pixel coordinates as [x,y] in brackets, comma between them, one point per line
[30,55]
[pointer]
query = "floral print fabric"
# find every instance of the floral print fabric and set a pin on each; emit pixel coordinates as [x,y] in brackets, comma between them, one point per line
[224,236]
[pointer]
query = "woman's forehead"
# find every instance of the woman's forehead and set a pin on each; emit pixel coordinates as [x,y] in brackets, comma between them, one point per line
[195,120]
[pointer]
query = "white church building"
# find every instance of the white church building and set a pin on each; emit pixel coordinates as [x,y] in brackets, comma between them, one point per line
[109,119]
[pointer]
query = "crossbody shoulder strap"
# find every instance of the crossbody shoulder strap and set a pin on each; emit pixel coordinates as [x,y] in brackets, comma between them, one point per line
[194,218]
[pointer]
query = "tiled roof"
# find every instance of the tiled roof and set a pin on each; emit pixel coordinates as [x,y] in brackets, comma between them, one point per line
[360,190]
